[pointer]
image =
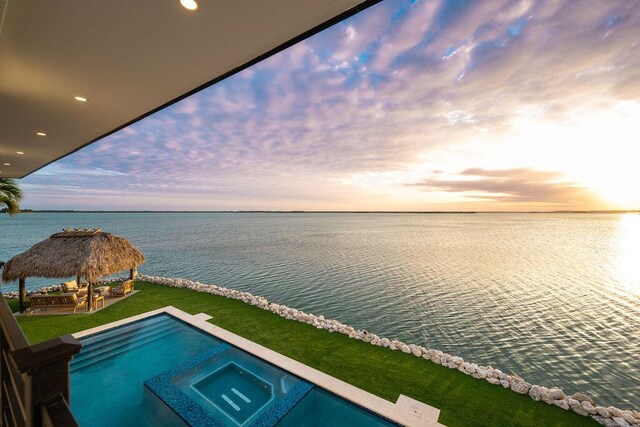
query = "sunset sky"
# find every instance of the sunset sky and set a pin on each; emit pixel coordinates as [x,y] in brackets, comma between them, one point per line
[425,105]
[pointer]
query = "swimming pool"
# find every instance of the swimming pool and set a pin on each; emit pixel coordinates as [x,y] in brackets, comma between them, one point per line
[162,371]
[107,376]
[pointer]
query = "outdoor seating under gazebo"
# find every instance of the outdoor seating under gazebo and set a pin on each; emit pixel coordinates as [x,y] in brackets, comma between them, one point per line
[87,254]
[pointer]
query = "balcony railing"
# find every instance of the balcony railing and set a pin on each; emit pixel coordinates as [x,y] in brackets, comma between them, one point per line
[34,386]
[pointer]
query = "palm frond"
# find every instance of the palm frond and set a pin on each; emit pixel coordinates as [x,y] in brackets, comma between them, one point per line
[10,195]
[11,205]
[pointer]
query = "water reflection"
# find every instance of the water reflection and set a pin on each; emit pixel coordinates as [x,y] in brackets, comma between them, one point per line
[628,256]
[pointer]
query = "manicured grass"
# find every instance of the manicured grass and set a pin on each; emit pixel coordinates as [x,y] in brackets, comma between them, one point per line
[463,401]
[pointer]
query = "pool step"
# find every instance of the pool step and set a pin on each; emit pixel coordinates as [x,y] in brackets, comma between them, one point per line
[110,352]
[116,333]
[125,340]
[111,338]
[119,344]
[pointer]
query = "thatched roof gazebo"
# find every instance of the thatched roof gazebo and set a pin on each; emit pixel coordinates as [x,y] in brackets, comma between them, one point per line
[88,253]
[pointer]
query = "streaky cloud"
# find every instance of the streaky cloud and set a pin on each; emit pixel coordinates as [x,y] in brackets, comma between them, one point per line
[512,185]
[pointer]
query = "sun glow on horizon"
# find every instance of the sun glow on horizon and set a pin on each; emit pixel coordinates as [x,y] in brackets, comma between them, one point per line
[596,148]
[591,149]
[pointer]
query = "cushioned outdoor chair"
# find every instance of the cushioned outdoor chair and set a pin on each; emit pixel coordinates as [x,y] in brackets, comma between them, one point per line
[120,291]
[71,287]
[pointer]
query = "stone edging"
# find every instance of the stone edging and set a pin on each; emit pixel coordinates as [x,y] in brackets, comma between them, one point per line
[578,402]
[43,290]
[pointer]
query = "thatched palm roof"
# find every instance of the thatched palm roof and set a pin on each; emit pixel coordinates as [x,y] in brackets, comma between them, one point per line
[90,253]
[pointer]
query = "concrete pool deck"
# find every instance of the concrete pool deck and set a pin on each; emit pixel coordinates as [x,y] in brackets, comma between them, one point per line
[405,411]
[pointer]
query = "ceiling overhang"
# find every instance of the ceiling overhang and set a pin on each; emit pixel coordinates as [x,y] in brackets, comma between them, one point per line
[128,59]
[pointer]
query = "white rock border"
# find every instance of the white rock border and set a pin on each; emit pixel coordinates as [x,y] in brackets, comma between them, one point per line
[579,403]
[43,290]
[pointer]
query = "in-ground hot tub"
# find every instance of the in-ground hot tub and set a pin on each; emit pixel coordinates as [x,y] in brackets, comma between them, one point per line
[236,392]
[228,387]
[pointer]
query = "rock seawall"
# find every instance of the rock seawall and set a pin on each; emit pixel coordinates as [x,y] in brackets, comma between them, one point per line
[43,290]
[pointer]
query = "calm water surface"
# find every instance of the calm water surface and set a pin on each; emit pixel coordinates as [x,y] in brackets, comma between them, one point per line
[554,298]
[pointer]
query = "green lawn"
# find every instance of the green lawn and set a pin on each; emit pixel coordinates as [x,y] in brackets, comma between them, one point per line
[463,401]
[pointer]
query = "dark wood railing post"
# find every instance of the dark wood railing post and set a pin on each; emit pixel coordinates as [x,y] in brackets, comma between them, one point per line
[47,365]
[34,380]
[56,412]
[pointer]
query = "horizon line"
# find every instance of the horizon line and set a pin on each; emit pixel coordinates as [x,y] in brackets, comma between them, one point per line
[325,211]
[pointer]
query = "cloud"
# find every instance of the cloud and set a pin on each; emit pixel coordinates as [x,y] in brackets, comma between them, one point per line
[512,185]
[373,94]
[59,170]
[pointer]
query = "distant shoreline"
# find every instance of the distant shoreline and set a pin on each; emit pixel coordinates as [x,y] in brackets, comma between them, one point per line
[27,211]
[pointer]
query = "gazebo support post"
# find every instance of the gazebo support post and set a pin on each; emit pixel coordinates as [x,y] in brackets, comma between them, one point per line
[89,295]
[132,273]
[22,292]
[79,280]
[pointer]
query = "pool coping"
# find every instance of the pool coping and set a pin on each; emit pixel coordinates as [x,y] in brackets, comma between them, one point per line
[405,411]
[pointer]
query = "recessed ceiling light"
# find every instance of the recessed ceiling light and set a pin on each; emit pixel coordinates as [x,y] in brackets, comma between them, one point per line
[41,134]
[80,98]
[189,4]
[7,164]
[20,152]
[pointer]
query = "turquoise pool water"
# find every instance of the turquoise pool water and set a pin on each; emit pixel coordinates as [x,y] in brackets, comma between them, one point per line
[107,376]
[319,408]
[161,371]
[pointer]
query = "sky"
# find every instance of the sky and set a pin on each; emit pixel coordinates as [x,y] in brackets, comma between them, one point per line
[409,105]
